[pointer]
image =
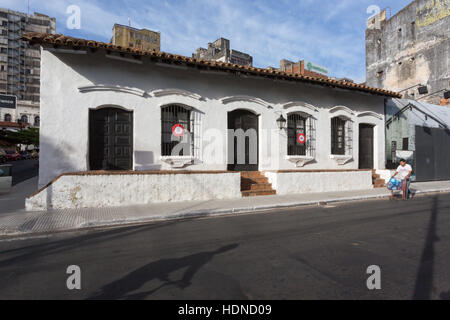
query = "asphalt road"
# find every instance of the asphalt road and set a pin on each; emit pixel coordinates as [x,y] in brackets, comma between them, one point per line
[305,253]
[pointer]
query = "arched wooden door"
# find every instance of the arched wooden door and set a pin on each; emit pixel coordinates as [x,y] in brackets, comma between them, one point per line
[110,139]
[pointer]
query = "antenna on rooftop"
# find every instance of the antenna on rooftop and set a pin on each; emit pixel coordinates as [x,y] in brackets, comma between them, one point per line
[129,22]
[28,8]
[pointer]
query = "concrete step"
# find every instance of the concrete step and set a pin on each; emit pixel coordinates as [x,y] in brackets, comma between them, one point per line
[252,174]
[255,180]
[379,183]
[260,187]
[256,186]
[251,193]
[254,183]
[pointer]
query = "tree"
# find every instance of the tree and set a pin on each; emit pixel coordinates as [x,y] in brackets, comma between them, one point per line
[27,137]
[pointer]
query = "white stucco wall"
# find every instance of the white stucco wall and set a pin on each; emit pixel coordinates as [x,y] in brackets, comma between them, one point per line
[316,182]
[65,109]
[97,191]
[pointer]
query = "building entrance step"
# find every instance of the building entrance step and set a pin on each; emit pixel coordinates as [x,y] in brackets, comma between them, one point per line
[254,184]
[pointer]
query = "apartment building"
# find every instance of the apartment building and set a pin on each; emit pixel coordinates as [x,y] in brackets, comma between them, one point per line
[410,50]
[143,39]
[20,65]
[219,50]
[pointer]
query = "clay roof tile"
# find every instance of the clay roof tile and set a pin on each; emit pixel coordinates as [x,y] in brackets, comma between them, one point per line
[59,39]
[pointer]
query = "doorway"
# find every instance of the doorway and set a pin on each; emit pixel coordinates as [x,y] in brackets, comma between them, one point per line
[366,146]
[110,139]
[243,141]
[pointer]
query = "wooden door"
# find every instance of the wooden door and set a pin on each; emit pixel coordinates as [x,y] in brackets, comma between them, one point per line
[111,139]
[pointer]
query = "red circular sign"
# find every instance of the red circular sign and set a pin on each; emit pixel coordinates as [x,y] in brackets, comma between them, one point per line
[178,130]
[301,138]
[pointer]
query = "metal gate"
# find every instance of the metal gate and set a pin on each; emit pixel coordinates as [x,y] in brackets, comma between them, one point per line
[432,156]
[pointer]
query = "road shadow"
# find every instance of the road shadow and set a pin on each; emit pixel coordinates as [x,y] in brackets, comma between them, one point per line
[26,254]
[28,169]
[424,281]
[158,270]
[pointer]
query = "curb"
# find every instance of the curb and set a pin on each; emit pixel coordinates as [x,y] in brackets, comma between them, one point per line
[203,214]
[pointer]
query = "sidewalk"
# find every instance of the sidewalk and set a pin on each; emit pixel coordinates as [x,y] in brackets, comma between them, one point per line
[15,200]
[21,223]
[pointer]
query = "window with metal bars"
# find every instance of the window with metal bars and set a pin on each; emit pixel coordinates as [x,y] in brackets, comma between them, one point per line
[338,136]
[296,126]
[405,144]
[170,116]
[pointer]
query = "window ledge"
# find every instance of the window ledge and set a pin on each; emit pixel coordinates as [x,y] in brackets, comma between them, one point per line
[300,161]
[178,161]
[341,159]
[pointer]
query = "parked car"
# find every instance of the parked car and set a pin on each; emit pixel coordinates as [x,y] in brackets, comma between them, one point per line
[3,156]
[25,155]
[12,155]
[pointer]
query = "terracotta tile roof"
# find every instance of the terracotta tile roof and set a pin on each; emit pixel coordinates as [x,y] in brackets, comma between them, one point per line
[60,40]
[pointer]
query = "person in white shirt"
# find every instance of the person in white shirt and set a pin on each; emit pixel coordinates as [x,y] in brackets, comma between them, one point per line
[404,171]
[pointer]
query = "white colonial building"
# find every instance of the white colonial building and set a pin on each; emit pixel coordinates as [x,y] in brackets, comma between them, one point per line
[124,126]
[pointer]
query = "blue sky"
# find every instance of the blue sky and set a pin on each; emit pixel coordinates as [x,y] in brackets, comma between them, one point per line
[328,32]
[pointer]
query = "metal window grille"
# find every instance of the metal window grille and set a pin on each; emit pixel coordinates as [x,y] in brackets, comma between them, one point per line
[311,137]
[338,136]
[296,124]
[349,137]
[7,117]
[170,116]
[405,144]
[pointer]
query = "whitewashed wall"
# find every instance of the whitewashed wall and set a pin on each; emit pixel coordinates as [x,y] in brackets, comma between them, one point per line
[99,191]
[316,182]
[65,109]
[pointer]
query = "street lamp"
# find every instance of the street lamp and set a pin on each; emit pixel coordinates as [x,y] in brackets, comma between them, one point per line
[281,121]
[423,90]
[447,95]
[416,85]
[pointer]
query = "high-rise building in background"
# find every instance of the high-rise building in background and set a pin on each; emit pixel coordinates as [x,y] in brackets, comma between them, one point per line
[20,65]
[411,50]
[136,38]
[220,50]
